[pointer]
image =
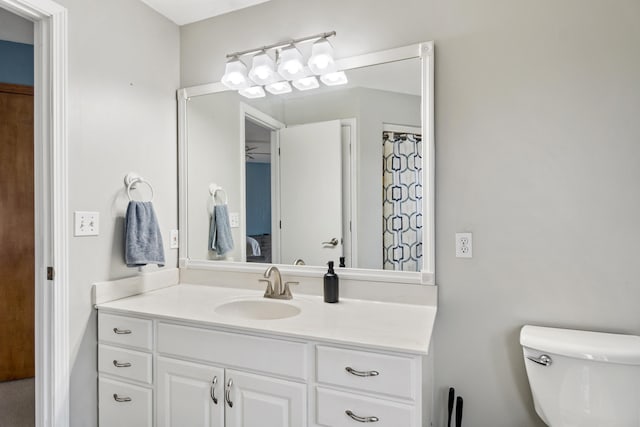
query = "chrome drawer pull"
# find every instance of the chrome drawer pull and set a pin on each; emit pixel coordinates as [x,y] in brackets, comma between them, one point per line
[361,373]
[122,331]
[543,360]
[213,390]
[121,364]
[121,399]
[361,419]
[227,393]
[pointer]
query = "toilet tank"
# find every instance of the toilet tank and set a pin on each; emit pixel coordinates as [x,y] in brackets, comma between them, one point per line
[591,380]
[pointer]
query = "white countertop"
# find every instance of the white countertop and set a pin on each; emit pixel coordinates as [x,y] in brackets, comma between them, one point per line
[386,326]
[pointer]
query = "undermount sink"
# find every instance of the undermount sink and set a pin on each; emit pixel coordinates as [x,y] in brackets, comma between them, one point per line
[258,309]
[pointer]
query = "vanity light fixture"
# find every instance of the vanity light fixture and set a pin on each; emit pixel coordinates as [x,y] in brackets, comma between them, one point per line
[278,88]
[291,68]
[306,83]
[263,70]
[321,60]
[235,74]
[290,65]
[334,79]
[252,92]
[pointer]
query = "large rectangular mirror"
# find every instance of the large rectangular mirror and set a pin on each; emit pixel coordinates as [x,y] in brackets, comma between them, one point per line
[336,173]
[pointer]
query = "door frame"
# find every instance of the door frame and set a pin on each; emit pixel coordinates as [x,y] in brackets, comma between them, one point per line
[247,112]
[50,178]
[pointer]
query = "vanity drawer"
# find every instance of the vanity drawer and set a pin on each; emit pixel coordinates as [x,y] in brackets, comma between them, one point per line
[134,411]
[331,408]
[391,375]
[122,330]
[274,356]
[130,364]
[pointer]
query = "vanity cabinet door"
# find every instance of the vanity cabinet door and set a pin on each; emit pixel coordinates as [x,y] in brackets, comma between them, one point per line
[257,401]
[186,393]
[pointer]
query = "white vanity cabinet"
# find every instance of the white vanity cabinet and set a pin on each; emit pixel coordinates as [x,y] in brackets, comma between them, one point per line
[355,386]
[189,394]
[165,373]
[125,366]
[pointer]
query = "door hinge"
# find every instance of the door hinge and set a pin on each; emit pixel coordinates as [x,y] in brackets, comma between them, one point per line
[51,274]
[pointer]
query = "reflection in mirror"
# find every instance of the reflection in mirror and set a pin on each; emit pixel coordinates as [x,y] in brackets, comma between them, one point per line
[313,176]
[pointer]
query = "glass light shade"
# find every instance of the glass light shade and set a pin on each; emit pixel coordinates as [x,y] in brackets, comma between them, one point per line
[263,69]
[306,83]
[278,88]
[252,92]
[334,79]
[290,65]
[235,75]
[321,60]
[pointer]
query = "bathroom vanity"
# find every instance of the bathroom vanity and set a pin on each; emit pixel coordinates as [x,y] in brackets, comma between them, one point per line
[197,355]
[206,349]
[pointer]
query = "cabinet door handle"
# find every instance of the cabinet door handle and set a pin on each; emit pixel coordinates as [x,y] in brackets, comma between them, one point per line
[361,419]
[361,373]
[213,390]
[121,364]
[121,399]
[122,331]
[227,393]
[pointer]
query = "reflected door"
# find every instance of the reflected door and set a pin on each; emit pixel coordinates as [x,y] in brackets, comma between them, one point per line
[311,193]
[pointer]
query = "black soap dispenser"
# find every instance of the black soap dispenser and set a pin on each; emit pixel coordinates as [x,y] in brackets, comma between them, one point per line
[331,292]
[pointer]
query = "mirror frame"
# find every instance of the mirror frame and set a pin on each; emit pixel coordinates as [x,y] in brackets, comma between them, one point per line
[424,51]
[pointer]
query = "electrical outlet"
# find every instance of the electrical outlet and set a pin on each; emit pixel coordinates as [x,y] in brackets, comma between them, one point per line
[174,239]
[87,223]
[234,219]
[464,245]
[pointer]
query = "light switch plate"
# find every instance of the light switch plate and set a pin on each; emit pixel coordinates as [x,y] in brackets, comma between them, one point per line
[86,223]
[234,219]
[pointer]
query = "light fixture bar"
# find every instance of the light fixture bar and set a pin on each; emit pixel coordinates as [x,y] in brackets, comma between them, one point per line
[282,44]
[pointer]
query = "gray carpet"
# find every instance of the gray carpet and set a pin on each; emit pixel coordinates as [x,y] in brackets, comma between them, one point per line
[17,403]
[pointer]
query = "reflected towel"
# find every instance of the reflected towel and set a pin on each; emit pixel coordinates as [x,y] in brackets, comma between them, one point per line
[253,247]
[142,238]
[220,239]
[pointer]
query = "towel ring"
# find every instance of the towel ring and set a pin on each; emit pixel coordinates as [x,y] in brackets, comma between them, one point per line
[131,180]
[213,190]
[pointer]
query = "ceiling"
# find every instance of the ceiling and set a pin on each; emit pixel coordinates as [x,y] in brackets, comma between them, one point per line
[184,12]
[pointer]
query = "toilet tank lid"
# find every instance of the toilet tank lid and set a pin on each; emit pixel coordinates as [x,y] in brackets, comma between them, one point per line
[598,346]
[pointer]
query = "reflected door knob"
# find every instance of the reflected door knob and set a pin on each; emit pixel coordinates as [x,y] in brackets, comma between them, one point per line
[332,242]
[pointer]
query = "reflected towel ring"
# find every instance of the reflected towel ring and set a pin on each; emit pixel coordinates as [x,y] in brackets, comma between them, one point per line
[131,180]
[214,189]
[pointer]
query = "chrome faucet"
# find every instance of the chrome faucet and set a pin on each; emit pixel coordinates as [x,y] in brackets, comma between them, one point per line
[298,261]
[277,291]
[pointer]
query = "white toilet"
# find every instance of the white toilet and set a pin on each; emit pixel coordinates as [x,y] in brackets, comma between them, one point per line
[583,379]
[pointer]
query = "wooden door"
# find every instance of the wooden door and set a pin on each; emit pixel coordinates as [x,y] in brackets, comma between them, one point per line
[257,401]
[311,193]
[17,238]
[186,393]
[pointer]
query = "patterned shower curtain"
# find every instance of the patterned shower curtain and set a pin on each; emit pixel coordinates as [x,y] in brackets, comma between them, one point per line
[402,201]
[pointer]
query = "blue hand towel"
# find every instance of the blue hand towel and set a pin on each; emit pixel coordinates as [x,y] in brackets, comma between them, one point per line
[143,241]
[220,239]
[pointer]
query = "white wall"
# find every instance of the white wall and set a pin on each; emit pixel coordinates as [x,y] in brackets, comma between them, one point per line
[123,74]
[536,151]
[14,28]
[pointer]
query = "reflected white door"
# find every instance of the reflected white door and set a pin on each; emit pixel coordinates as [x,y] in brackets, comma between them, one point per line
[311,193]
